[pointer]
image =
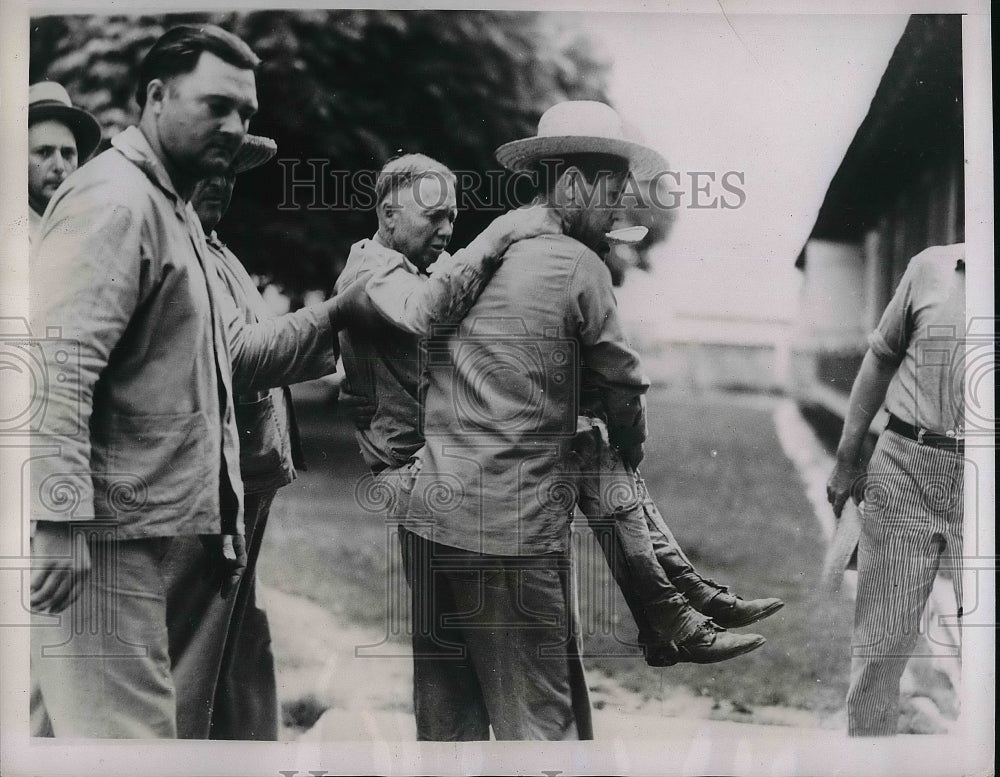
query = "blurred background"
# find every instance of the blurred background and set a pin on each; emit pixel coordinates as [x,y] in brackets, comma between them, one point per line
[810,155]
[352,88]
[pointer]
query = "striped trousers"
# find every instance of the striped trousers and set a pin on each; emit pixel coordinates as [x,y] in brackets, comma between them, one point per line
[912,521]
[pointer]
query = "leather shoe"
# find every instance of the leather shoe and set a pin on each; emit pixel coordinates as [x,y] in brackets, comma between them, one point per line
[662,654]
[731,612]
[712,643]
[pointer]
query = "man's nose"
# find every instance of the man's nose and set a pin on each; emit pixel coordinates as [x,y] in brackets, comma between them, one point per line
[445,229]
[235,125]
[59,163]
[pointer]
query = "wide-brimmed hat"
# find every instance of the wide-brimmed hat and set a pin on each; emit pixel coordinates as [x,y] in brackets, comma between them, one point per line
[576,127]
[48,100]
[255,151]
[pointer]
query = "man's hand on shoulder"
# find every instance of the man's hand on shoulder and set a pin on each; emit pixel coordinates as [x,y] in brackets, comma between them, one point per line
[521,224]
[351,304]
[531,221]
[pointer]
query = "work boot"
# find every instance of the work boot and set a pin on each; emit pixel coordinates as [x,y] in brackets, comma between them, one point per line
[731,611]
[712,643]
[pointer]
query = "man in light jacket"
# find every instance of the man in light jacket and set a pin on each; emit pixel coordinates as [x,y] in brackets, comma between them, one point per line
[141,341]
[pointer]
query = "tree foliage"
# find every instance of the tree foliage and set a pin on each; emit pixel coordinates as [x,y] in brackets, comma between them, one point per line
[348,88]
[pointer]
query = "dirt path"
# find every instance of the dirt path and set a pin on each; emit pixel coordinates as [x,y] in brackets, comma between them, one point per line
[340,695]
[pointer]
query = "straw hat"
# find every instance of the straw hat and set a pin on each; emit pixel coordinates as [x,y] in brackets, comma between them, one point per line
[255,151]
[48,100]
[576,127]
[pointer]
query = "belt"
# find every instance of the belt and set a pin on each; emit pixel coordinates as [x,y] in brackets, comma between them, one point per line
[925,436]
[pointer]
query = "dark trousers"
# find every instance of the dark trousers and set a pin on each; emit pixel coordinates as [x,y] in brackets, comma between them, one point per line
[494,645]
[220,649]
[656,579]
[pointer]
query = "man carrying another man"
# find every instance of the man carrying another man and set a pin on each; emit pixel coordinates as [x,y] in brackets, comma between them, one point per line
[448,697]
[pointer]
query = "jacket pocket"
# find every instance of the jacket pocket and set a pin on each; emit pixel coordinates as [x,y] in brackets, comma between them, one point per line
[261,448]
[156,458]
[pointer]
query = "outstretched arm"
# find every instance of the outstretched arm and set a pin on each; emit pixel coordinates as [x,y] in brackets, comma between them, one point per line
[415,303]
[290,348]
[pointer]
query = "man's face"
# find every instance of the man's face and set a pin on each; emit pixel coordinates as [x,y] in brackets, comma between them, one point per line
[203,116]
[211,198]
[51,157]
[422,220]
[599,208]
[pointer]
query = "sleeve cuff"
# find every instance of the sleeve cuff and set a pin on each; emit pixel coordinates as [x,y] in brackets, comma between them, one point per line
[882,350]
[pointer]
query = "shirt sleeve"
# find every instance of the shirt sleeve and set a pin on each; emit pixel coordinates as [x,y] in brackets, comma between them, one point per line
[609,366]
[415,303]
[892,335]
[281,350]
[86,276]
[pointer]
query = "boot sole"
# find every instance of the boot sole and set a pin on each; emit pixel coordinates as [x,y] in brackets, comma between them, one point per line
[714,659]
[765,613]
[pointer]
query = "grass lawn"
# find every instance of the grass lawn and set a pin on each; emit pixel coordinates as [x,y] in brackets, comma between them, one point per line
[716,469]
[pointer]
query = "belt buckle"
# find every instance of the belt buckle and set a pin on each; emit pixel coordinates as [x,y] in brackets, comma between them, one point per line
[920,436]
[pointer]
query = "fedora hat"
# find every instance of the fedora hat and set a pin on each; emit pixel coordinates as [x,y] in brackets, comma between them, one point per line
[255,151]
[577,127]
[48,100]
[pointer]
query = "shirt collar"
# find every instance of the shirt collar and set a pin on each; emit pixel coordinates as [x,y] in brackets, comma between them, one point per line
[134,146]
[214,241]
[377,245]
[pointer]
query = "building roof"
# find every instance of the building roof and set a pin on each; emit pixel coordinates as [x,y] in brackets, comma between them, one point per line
[915,123]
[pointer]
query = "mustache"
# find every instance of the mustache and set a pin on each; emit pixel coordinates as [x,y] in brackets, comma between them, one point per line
[225,143]
[212,190]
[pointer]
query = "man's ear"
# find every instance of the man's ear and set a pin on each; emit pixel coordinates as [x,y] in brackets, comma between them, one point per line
[156,92]
[387,213]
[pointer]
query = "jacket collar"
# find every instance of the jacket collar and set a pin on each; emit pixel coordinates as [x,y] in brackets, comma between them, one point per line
[135,147]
